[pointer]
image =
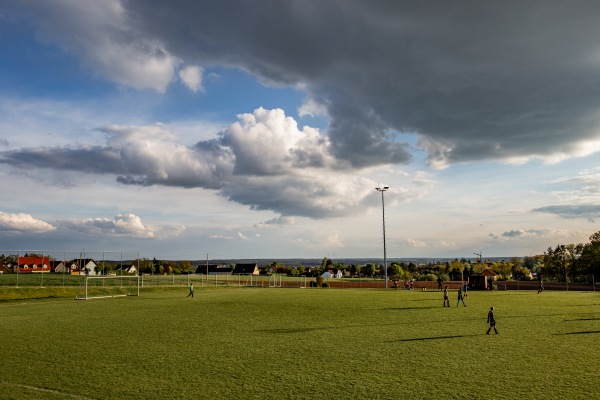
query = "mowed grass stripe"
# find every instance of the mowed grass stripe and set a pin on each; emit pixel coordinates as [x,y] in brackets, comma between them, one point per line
[303,344]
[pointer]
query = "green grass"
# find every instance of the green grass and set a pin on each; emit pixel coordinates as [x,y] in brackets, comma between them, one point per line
[252,343]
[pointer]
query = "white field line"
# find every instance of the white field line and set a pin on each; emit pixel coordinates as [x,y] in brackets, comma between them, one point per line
[39,389]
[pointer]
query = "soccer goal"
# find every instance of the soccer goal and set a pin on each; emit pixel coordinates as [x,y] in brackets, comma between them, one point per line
[99,287]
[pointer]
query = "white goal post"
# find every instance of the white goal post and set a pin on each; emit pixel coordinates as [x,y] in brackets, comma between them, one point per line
[100,287]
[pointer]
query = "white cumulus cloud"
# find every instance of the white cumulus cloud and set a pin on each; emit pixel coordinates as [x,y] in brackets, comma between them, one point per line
[23,223]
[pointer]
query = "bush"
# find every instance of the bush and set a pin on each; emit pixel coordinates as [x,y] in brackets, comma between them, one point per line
[320,280]
[427,277]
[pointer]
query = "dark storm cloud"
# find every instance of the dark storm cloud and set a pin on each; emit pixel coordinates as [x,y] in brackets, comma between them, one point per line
[476,80]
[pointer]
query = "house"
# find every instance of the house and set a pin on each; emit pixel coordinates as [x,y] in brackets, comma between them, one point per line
[246,269]
[126,269]
[82,266]
[59,266]
[213,269]
[330,273]
[7,268]
[29,265]
[489,273]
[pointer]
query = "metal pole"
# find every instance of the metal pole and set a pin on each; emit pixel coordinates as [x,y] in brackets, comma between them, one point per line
[383,189]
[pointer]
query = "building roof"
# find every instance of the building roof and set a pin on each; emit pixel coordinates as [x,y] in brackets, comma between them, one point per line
[244,269]
[488,272]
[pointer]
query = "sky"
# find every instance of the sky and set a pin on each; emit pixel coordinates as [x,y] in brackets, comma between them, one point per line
[191,129]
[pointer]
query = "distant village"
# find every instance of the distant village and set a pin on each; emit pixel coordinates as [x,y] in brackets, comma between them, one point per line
[478,272]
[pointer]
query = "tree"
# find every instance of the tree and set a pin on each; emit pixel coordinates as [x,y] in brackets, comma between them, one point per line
[144,265]
[503,268]
[516,262]
[395,271]
[456,270]
[589,262]
[561,261]
[521,273]
[369,270]
[185,267]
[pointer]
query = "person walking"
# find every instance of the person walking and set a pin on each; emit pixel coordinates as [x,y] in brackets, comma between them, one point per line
[541,286]
[460,297]
[446,299]
[191,290]
[492,321]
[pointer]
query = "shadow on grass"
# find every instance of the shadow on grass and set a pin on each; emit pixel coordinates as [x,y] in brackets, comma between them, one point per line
[578,333]
[407,308]
[432,338]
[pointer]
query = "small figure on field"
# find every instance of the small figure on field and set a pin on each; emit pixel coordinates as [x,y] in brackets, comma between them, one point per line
[191,290]
[541,287]
[492,321]
[466,290]
[460,297]
[395,284]
[440,281]
[446,299]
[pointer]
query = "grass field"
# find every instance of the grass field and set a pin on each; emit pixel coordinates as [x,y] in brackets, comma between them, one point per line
[273,343]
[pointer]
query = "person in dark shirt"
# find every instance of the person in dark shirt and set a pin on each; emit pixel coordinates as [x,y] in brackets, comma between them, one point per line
[541,287]
[446,299]
[460,298]
[492,321]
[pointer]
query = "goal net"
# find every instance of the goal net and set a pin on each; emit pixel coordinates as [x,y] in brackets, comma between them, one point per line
[98,287]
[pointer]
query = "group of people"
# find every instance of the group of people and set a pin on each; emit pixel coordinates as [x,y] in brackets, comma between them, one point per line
[462,293]
[408,284]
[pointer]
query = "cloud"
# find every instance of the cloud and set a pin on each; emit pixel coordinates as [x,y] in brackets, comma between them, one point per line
[424,179]
[279,221]
[100,32]
[264,161]
[191,76]
[415,243]
[590,212]
[23,223]
[474,81]
[120,225]
[444,244]
[535,233]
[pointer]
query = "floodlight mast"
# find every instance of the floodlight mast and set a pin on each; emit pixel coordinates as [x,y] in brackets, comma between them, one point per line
[383,189]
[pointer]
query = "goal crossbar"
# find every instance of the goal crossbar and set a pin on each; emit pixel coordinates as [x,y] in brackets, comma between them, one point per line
[110,287]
